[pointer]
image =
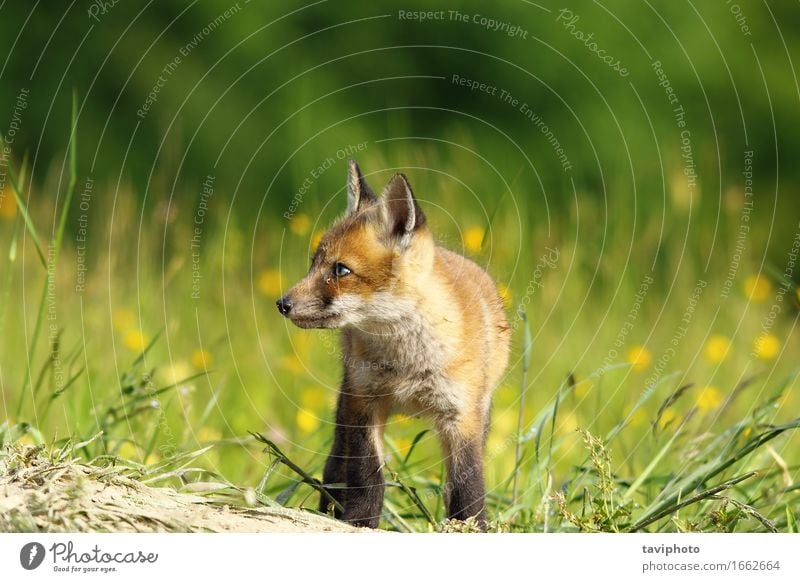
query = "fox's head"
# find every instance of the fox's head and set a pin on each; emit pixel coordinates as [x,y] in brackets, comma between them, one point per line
[364,265]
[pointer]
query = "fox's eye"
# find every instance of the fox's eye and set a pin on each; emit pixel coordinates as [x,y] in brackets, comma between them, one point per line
[341,270]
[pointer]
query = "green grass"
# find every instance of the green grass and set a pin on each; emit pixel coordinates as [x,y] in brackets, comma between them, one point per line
[585,436]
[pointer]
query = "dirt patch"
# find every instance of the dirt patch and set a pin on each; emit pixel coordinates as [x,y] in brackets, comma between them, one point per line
[38,494]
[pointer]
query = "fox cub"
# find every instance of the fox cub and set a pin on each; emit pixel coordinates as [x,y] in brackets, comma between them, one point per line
[423,332]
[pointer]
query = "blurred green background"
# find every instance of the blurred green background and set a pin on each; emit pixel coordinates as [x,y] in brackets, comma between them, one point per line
[263,95]
[211,144]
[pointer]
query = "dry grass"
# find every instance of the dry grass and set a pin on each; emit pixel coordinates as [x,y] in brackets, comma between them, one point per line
[42,493]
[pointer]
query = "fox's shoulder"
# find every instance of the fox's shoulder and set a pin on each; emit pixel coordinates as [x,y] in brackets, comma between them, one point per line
[465,277]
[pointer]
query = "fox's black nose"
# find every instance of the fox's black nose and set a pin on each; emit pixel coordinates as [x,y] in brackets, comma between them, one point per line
[284,305]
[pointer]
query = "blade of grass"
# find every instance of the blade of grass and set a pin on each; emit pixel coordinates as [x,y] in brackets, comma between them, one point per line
[32,349]
[50,266]
[395,518]
[150,394]
[187,458]
[694,499]
[641,401]
[73,177]
[307,479]
[23,209]
[140,358]
[751,511]
[652,465]
[527,348]
[791,523]
[496,209]
[283,497]
[412,494]
[262,484]
[151,444]
[72,379]
[210,404]
[553,425]
[414,444]
[669,401]
[12,258]
[704,473]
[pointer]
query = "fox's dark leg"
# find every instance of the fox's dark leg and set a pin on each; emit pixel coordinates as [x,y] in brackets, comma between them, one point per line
[463,448]
[364,421]
[335,468]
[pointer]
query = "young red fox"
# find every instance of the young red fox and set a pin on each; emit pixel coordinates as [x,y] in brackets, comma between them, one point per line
[423,332]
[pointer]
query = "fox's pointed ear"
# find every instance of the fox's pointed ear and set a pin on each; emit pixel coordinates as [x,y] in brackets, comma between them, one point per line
[402,213]
[359,194]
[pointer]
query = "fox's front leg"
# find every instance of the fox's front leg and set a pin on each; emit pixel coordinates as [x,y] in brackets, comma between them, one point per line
[355,460]
[365,421]
[465,490]
[335,472]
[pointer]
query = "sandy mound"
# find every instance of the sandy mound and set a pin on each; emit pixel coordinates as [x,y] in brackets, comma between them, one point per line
[38,494]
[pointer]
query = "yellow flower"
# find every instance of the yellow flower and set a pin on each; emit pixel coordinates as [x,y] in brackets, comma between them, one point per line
[300,224]
[8,204]
[716,349]
[757,288]
[473,238]
[152,458]
[207,434]
[403,445]
[582,387]
[314,398]
[638,418]
[639,357]
[135,340]
[767,346]
[202,359]
[293,364]
[128,450]
[709,398]
[175,373]
[667,417]
[122,319]
[315,239]
[505,294]
[270,282]
[402,419]
[307,421]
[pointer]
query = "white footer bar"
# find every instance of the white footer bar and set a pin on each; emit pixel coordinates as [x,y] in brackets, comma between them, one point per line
[389,557]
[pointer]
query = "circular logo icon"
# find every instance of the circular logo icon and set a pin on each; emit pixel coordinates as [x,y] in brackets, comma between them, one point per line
[31,555]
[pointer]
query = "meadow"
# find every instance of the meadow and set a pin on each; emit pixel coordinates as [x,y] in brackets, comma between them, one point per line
[653,382]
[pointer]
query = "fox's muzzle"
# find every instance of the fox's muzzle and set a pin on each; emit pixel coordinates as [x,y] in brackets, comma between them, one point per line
[305,313]
[284,305]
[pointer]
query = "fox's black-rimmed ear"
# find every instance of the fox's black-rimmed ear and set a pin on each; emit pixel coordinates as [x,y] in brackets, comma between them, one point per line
[402,213]
[359,193]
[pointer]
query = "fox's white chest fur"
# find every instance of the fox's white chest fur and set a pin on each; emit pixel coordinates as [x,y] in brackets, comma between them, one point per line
[404,361]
